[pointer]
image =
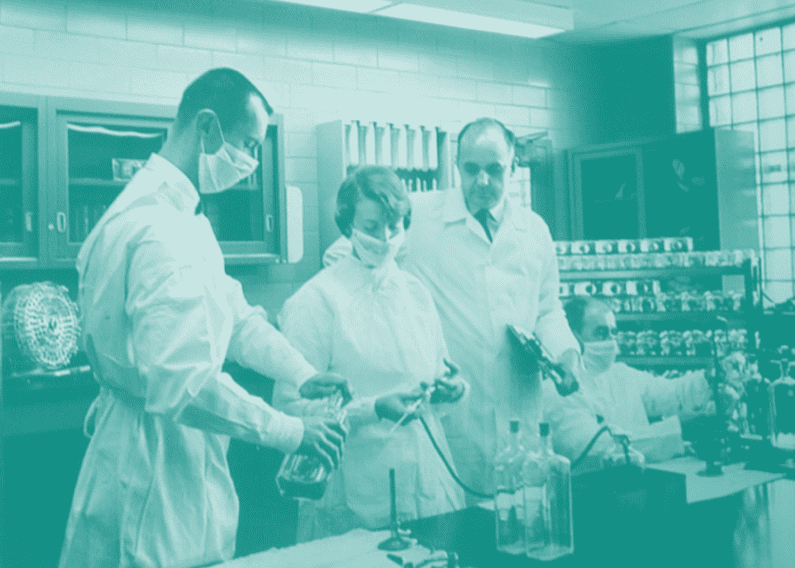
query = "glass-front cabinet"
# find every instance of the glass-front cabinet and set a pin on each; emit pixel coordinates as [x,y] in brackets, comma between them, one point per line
[97,147]
[19,117]
[93,156]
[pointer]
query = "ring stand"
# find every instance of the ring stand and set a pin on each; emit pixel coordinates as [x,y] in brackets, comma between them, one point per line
[396,541]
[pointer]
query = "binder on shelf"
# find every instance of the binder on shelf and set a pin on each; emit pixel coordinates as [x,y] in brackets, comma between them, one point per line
[413,156]
[367,131]
[364,157]
[399,139]
[353,143]
[433,148]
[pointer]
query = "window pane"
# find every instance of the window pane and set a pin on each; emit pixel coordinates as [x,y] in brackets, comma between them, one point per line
[790,96]
[718,80]
[791,132]
[744,107]
[718,52]
[742,75]
[751,127]
[789,66]
[778,291]
[768,41]
[788,37]
[772,135]
[720,111]
[778,264]
[792,198]
[689,114]
[775,199]
[777,231]
[771,103]
[689,94]
[758,169]
[741,47]
[768,71]
[774,167]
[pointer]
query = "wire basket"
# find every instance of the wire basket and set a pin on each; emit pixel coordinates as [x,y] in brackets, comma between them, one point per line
[41,323]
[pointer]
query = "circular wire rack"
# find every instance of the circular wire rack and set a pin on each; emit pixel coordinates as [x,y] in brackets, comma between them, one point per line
[42,322]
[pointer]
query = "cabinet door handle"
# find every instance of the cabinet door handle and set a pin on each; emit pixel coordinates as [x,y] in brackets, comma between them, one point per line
[29,221]
[60,220]
[269,223]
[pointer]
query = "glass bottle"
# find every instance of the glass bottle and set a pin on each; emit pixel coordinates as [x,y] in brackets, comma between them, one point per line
[508,499]
[306,477]
[782,407]
[547,495]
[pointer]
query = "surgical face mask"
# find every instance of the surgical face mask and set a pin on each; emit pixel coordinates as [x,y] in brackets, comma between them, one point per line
[375,253]
[599,356]
[220,171]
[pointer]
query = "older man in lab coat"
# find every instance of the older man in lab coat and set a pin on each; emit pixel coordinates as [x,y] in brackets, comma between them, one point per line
[160,316]
[487,264]
[619,396]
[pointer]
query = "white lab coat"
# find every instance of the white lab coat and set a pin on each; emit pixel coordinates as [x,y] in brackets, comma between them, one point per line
[479,289]
[379,329]
[159,318]
[625,398]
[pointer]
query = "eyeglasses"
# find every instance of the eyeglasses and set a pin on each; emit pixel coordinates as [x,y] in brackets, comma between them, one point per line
[493,170]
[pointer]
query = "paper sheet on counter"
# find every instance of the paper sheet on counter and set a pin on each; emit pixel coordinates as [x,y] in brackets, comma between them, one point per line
[355,549]
[734,479]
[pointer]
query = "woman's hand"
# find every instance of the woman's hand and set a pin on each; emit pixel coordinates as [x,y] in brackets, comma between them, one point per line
[324,385]
[447,390]
[394,406]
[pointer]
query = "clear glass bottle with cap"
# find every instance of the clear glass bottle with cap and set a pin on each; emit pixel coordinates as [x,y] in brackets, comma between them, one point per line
[508,499]
[549,531]
[781,394]
[305,477]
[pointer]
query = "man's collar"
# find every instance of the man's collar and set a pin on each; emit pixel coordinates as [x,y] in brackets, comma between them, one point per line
[186,197]
[455,209]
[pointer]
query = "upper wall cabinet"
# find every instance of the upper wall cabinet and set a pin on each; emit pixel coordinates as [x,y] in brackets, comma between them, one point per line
[19,196]
[94,150]
[699,184]
[64,161]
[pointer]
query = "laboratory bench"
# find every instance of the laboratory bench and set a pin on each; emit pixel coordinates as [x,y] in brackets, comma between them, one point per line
[666,517]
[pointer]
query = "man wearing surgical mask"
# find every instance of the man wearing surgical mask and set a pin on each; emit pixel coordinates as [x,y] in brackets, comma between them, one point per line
[159,318]
[619,396]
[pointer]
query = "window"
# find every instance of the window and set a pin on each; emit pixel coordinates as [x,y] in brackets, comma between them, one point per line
[750,82]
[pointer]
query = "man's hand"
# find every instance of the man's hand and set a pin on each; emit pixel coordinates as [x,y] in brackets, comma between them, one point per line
[569,361]
[324,385]
[323,439]
[394,406]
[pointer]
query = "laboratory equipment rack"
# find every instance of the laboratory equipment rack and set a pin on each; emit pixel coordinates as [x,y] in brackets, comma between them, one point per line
[744,277]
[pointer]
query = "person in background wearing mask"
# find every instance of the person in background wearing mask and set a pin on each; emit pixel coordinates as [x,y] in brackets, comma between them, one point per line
[617,395]
[159,317]
[367,320]
[487,265]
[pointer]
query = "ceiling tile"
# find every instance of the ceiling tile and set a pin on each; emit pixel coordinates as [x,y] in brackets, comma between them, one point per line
[618,10]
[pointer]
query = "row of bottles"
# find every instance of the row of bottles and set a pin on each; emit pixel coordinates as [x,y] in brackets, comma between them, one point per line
[769,406]
[533,499]
[411,151]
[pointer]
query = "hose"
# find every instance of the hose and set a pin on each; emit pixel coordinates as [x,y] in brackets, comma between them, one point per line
[450,469]
[590,445]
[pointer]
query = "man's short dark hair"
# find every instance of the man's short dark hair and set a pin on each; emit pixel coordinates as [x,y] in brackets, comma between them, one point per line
[575,310]
[224,91]
[482,124]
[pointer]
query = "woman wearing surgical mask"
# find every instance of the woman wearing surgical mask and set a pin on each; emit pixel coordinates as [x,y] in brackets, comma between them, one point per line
[365,318]
[626,399]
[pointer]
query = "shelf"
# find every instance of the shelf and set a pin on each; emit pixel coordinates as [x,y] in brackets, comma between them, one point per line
[651,273]
[696,317]
[39,374]
[9,182]
[97,182]
[678,361]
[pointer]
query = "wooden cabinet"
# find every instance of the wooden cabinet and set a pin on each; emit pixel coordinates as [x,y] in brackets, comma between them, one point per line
[64,161]
[698,184]
[87,141]
[20,116]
